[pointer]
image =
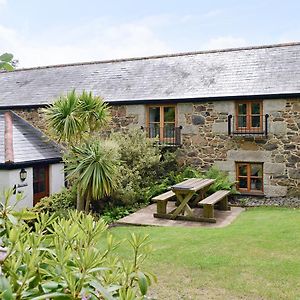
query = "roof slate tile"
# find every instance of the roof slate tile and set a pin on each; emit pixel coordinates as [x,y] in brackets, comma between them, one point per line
[265,70]
[29,144]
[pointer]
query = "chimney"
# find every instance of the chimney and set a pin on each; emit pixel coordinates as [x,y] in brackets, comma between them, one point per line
[8,137]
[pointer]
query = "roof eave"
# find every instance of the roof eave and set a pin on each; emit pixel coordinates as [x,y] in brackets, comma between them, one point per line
[30,163]
[176,100]
[205,99]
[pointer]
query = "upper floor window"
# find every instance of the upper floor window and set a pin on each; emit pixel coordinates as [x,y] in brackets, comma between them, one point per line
[248,119]
[249,116]
[162,122]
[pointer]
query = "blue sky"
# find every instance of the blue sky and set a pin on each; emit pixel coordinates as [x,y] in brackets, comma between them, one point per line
[43,32]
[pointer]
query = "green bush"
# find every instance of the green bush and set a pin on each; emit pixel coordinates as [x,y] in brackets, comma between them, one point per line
[147,171]
[67,258]
[114,213]
[58,202]
[222,181]
[143,166]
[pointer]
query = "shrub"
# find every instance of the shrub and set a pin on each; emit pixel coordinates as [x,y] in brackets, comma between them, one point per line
[222,181]
[114,213]
[64,200]
[67,258]
[187,172]
[143,167]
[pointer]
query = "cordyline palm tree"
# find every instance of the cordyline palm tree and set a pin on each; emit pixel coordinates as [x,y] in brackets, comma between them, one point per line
[94,167]
[74,120]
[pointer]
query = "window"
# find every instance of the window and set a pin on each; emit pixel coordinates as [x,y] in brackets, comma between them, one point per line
[40,183]
[249,116]
[161,122]
[250,177]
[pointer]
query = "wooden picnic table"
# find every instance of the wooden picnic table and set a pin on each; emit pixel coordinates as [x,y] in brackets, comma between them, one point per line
[184,193]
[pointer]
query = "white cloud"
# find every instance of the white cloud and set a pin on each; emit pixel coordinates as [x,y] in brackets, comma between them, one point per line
[224,42]
[3,3]
[85,43]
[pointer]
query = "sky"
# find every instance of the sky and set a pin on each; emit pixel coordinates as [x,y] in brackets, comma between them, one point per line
[46,32]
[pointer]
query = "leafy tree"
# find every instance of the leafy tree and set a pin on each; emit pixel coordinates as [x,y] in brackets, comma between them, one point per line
[75,120]
[6,62]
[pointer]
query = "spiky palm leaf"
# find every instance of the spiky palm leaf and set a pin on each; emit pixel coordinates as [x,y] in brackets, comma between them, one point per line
[94,166]
[73,118]
[63,119]
[94,111]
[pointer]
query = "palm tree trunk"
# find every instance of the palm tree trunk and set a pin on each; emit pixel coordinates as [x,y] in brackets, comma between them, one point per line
[87,203]
[80,201]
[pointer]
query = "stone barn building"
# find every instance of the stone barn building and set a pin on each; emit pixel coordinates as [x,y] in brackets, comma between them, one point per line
[237,109]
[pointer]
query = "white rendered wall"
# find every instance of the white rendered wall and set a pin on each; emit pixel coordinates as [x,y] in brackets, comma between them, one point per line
[11,178]
[56,178]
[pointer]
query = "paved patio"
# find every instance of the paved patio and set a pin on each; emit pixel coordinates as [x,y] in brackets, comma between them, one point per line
[144,217]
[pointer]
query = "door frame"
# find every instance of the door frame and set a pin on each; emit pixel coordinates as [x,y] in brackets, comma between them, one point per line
[46,193]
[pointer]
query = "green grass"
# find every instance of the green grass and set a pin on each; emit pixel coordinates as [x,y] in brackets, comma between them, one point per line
[256,257]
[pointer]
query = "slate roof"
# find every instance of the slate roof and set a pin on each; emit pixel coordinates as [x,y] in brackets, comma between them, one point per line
[264,70]
[29,144]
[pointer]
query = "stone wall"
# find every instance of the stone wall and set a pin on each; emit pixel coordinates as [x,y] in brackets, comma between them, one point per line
[125,117]
[34,116]
[122,117]
[206,141]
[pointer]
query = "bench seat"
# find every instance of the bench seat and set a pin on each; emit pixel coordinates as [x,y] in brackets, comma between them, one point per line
[162,201]
[164,196]
[215,197]
[208,203]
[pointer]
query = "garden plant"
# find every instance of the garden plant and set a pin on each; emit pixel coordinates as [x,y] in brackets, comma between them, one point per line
[47,257]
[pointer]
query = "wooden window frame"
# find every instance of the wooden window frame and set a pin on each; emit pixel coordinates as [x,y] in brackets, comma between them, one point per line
[40,195]
[248,190]
[161,118]
[249,115]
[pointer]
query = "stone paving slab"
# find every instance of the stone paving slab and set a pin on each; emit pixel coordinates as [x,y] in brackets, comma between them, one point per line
[144,217]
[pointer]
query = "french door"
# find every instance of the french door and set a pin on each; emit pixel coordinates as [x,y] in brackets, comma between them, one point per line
[162,122]
[249,116]
[40,183]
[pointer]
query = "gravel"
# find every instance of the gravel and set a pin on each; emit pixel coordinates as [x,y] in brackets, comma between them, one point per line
[250,201]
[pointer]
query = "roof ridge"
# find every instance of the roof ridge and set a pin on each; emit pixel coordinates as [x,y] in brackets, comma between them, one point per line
[159,56]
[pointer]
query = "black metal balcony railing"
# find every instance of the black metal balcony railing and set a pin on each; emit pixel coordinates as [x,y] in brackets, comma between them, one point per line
[166,136]
[248,125]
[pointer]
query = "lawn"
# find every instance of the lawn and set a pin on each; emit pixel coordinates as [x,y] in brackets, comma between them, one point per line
[256,257]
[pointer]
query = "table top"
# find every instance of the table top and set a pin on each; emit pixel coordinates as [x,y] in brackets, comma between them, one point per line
[192,184]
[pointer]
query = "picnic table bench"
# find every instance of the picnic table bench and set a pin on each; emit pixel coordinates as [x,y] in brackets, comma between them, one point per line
[184,193]
[208,203]
[162,201]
